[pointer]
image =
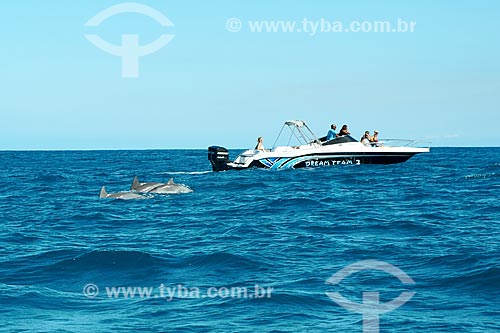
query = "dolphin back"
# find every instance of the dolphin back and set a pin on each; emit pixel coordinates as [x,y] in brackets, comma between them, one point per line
[172,189]
[135,183]
[103,194]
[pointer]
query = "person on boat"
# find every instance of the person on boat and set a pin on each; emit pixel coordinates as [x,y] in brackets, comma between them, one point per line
[331,133]
[374,137]
[344,131]
[260,144]
[366,138]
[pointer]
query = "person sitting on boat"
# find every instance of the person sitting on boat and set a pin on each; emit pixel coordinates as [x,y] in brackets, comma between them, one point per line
[374,137]
[366,138]
[260,144]
[344,131]
[331,133]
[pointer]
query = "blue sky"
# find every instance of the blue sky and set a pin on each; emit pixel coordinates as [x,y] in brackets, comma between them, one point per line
[209,86]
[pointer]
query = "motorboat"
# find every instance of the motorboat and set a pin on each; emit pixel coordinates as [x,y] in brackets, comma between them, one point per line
[303,149]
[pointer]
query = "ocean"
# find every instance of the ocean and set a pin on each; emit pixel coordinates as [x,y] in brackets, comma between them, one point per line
[252,250]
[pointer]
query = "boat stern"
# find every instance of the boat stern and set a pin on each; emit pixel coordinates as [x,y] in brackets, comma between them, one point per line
[218,157]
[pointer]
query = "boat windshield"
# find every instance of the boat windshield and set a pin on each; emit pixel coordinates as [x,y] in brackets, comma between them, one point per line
[337,140]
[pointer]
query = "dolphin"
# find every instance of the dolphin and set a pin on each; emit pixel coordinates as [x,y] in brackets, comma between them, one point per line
[171,188]
[120,195]
[143,187]
[161,188]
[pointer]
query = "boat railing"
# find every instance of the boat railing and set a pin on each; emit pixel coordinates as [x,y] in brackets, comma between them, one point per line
[402,143]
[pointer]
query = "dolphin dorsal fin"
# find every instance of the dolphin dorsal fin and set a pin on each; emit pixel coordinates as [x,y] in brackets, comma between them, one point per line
[135,183]
[171,181]
[103,193]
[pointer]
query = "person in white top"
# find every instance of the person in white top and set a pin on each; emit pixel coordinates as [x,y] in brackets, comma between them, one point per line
[260,144]
[366,138]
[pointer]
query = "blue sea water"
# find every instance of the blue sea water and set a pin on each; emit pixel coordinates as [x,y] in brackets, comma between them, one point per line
[435,217]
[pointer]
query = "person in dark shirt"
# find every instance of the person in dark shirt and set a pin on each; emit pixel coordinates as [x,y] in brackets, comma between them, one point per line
[344,131]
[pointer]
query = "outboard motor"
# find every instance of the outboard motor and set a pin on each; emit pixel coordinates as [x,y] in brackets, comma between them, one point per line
[219,157]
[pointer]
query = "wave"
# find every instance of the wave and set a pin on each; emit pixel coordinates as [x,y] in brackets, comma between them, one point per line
[45,257]
[19,238]
[65,266]
[483,175]
[49,178]
[12,296]
[294,298]
[64,269]
[494,166]
[466,270]
[32,268]
[219,259]
[241,186]
[479,280]
[487,278]
[296,203]
[109,259]
[451,261]
[94,216]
